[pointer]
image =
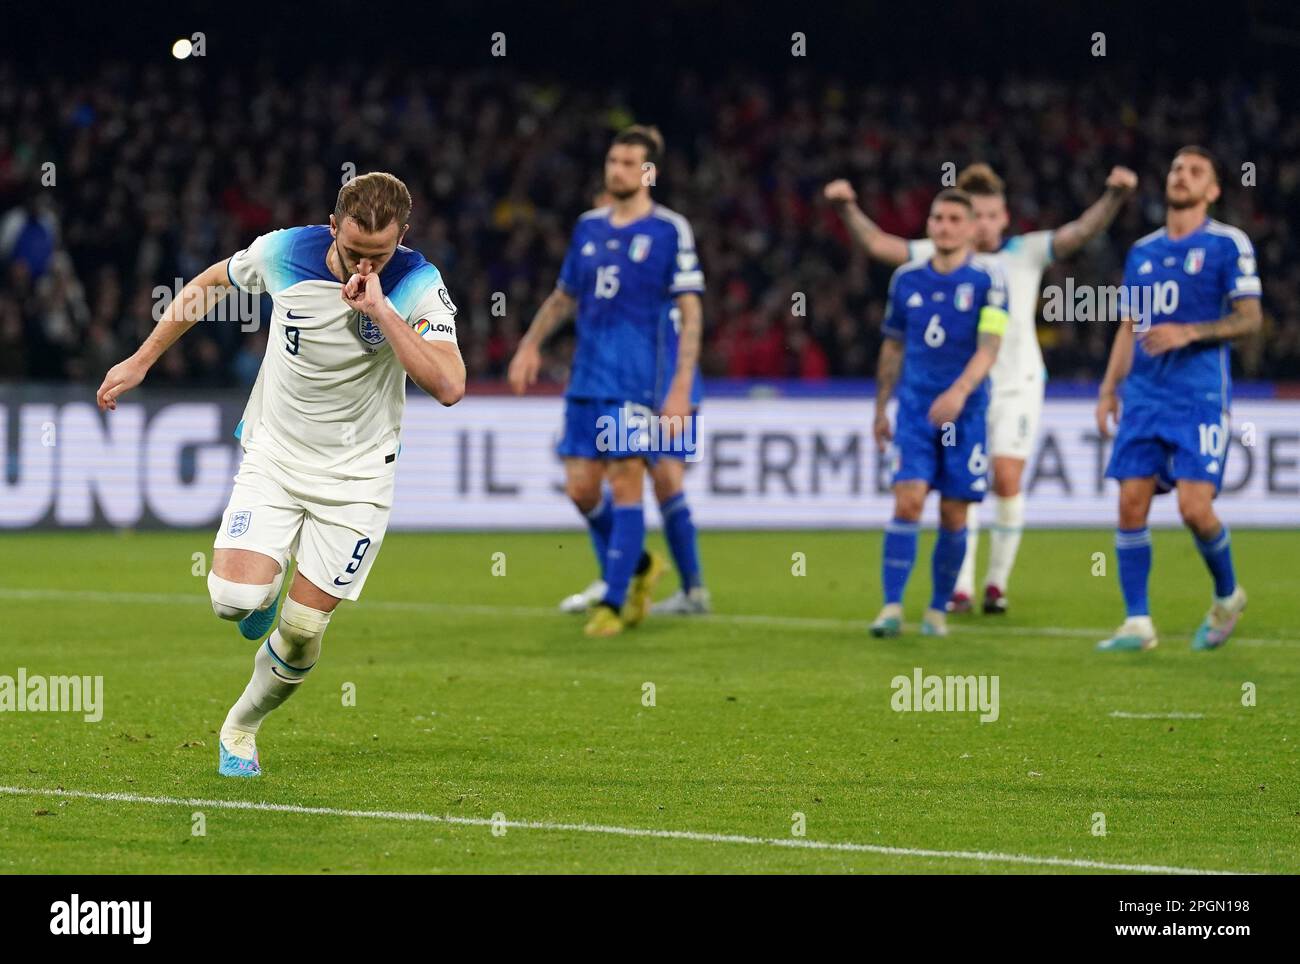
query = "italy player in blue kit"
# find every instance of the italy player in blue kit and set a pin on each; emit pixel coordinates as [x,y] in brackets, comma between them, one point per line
[1189,289]
[628,263]
[668,478]
[943,324]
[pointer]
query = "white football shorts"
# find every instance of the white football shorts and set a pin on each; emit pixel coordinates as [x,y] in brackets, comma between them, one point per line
[332,527]
[1013,420]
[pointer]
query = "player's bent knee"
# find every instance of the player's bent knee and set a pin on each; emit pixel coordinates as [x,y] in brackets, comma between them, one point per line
[1198,516]
[666,488]
[584,491]
[236,600]
[952,515]
[909,507]
[302,625]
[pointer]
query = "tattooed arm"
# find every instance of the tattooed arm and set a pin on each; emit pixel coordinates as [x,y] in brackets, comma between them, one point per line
[888,368]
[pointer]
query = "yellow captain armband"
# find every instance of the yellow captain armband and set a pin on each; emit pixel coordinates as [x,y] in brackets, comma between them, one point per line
[993,321]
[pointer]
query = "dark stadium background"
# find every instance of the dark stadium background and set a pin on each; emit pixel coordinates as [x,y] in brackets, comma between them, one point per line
[165,166]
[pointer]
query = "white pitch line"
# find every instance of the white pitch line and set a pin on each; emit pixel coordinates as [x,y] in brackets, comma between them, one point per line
[532,612]
[1121,715]
[796,843]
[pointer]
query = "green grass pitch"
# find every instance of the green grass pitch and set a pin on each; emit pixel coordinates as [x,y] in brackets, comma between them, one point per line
[474,697]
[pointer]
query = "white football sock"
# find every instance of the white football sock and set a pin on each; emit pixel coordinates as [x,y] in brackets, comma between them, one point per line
[966,577]
[1004,540]
[281,663]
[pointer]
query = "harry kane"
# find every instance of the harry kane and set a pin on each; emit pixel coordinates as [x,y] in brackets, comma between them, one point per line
[354,314]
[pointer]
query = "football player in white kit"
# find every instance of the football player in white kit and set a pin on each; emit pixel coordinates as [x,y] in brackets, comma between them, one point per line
[1018,376]
[354,314]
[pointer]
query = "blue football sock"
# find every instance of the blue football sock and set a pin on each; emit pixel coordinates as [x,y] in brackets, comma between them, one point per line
[945,565]
[898,558]
[599,522]
[1217,553]
[1133,547]
[679,530]
[625,541]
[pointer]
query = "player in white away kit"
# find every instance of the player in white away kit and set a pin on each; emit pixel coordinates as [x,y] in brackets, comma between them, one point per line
[354,314]
[1018,376]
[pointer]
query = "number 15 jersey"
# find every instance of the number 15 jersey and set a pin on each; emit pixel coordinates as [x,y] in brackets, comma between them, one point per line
[625,278]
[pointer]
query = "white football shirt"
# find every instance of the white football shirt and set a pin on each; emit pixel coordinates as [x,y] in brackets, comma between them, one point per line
[1023,259]
[329,397]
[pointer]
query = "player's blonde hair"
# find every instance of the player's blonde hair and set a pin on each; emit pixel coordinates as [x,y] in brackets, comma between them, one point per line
[374,201]
[980,180]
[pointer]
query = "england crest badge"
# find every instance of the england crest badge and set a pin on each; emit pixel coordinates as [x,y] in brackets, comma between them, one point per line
[238,523]
[370,332]
[639,249]
[1195,260]
[964,297]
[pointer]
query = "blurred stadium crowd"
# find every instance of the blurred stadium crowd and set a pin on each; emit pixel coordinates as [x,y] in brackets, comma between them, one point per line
[162,171]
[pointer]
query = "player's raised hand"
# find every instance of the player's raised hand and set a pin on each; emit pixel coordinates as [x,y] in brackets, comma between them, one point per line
[1107,413]
[1122,179]
[840,192]
[364,293]
[121,378]
[524,367]
[947,406]
[882,431]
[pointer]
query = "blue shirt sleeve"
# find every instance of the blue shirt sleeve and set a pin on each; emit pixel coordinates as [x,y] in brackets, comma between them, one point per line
[1239,273]
[684,274]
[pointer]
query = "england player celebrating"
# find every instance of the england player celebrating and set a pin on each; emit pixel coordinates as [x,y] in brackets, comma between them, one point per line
[1018,377]
[943,325]
[627,264]
[354,314]
[1171,356]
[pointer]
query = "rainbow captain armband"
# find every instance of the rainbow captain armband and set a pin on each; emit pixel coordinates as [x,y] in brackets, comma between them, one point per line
[993,321]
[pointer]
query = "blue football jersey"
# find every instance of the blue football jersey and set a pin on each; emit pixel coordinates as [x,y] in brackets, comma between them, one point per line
[1193,279]
[670,330]
[625,279]
[938,317]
